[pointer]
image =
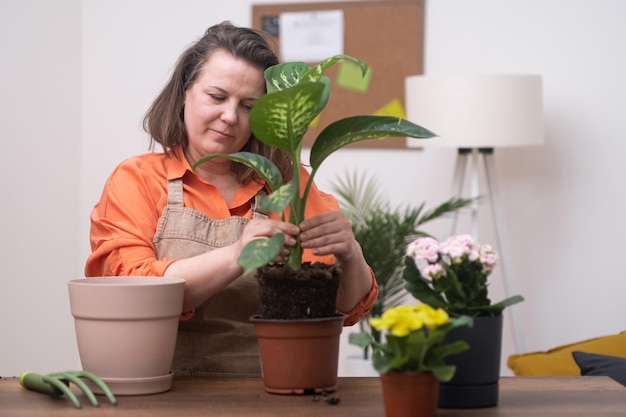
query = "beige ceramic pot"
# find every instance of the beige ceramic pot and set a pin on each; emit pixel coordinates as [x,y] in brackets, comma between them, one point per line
[126,330]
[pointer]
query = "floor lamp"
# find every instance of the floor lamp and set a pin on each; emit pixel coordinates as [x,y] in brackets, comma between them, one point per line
[476,114]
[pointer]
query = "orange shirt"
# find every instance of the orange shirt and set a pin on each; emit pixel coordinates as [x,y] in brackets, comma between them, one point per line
[125,219]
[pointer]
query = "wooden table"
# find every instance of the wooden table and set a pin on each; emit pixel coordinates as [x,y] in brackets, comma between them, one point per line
[361,397]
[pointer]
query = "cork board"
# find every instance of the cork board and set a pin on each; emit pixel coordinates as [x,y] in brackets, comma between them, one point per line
[388,35]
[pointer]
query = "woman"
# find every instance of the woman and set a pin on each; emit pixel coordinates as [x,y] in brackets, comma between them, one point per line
[159,217]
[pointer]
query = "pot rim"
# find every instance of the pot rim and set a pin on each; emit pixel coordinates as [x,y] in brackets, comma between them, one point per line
[258,319]
[126,281]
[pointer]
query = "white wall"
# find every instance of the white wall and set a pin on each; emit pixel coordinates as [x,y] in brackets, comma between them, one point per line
[39,222]
[77,77]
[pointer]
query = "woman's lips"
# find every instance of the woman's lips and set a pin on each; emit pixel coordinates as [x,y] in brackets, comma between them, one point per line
[223,134]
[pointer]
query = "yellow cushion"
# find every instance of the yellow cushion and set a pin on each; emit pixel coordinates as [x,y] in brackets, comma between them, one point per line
[558,361]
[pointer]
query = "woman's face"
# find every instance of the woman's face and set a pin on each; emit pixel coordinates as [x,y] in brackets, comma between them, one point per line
[218,104]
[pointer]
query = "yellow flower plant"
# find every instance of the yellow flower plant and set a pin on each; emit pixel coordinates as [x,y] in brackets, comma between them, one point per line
[413,340]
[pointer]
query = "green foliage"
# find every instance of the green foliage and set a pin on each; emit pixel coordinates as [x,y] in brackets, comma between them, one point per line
[462,291]
[422,350]
[383,233]
[297,93]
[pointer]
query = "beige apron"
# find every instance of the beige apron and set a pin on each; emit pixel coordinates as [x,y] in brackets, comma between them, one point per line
[218,339]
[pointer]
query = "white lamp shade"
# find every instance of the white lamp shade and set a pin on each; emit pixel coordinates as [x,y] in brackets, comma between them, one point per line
[477,111]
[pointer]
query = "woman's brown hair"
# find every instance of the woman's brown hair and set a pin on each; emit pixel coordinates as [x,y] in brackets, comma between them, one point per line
[164,119]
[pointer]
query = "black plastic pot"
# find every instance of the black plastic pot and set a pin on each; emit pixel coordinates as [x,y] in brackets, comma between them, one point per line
[476,381]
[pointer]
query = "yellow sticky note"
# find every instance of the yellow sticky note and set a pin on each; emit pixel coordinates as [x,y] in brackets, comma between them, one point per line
[315,121]
[392,108]
[349,76]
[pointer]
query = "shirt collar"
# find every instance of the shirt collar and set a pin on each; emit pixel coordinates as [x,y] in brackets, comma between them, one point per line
[177,166]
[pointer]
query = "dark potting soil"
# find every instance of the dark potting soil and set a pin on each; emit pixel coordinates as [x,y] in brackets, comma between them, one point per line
[310,292]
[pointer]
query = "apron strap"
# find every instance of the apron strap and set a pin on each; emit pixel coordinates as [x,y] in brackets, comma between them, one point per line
[255,204]
[175,193]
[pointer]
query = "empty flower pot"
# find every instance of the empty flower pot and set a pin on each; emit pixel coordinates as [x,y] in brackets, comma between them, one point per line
[126,330]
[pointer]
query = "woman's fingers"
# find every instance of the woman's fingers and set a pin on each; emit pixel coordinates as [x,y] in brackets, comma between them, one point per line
[263,229]
[328,233]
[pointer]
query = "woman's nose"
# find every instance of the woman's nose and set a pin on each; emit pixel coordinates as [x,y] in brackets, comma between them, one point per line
[229,114]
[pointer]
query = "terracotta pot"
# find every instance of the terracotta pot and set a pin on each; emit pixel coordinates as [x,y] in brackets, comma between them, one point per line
[299,356]
[126,330]
[410,394]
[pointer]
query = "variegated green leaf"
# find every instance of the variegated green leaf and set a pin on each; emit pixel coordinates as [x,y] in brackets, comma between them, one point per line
[260,252]
[282,76]
[353,129]
[289,74]
[280,198]
[325,94]
[260,164]
[316,72]
[281,119]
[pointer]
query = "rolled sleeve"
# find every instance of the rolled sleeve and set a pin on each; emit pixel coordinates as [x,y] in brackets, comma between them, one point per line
[364,306]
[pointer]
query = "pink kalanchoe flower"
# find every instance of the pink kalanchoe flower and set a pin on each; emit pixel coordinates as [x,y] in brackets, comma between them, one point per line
[462,268]
[433,271]
[457,246]
[424,248]
[488,257]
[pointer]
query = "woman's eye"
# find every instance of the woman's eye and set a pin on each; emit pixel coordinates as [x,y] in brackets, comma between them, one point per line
[247,106]
[217,97]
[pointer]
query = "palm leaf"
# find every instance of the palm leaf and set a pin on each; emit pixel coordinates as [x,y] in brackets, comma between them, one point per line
[448,207]
[358,196]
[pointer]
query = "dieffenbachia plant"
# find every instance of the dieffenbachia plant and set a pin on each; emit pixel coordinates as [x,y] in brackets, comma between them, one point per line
[296,94]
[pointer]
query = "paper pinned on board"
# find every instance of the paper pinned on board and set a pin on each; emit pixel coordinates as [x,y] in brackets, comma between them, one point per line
[311,36]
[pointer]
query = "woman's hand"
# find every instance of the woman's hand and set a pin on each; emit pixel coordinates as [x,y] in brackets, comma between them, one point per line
[210,272]
[264,229]
[329,233]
